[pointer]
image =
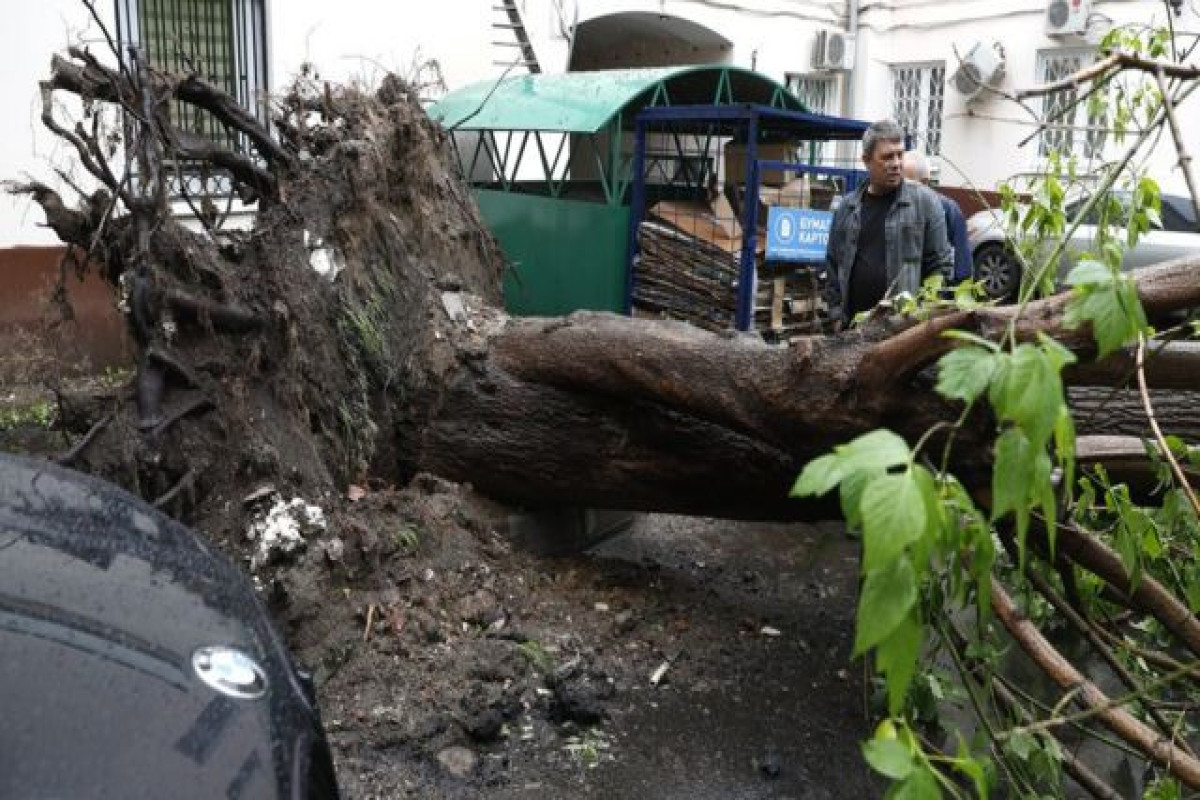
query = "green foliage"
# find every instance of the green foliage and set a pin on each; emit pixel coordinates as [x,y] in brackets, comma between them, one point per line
[406,539]
[1108,301]
[929,552]
[36,414]
[536,655]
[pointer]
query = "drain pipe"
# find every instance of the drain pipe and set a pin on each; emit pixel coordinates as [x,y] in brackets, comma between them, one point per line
[851,30]
[847,148]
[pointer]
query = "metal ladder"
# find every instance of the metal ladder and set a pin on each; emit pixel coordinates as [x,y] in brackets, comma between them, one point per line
[510,23]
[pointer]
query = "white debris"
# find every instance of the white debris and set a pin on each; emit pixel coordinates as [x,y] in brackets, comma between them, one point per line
[767,630]
[280,529]
[659,673]
[325,260]
[453,304]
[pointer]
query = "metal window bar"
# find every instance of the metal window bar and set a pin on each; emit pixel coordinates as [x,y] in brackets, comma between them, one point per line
[918,92]
[224,41]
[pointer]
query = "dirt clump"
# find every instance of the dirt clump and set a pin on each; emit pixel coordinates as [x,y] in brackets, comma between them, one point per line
[450,664]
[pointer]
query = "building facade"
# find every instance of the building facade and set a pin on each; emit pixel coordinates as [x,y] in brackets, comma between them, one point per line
[860,58]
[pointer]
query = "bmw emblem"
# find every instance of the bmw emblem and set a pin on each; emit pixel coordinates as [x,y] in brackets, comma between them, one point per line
[230,672]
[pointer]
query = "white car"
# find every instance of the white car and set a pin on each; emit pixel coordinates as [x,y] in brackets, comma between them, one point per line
[999,271]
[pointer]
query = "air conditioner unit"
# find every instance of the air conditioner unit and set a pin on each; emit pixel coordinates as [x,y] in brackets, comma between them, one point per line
[980,67]
[834,50]
[1067,17]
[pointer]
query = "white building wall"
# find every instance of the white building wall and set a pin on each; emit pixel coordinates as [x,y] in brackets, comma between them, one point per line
[980,141]
[346,40]
[32,33]
[362,39]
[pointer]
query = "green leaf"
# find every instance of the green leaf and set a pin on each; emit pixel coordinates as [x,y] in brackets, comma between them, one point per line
[1089,272]
[1113,309]
[889,757]
[973,769]
[967,336]
[1012,481]
[1028,391]
[920,785]
[1043,491]
[880,449]
[1191,589]
[964,373]
[818,477]
[896,657]
[887,596]
[853,487]
[1064,446]
[893,516]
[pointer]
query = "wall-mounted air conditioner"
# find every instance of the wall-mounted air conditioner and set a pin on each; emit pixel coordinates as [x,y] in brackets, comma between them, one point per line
[981,66]
[1067,17]
[833,50]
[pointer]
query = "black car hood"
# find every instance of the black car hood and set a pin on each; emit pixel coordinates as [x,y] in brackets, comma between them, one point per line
[103,604]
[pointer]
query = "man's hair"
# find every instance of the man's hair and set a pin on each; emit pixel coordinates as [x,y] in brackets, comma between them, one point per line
[919,163]
[885,130]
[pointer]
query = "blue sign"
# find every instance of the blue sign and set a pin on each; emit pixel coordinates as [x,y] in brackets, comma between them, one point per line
[797,234]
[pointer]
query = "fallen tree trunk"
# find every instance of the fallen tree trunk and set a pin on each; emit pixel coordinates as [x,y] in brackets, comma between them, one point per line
[355,334]
[403,363]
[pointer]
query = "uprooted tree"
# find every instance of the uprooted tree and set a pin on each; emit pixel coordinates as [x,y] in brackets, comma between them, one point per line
[253,366]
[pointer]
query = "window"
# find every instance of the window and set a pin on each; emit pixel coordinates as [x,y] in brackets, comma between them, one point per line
[1070,131]
[917,92]
[817,92]
[222,40]
[819,95]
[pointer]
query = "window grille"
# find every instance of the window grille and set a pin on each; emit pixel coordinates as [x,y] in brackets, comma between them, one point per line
[818,93]
[223,41]
[1071,130]
[917,94]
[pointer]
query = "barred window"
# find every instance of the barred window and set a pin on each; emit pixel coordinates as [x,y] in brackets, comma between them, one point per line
[818,93]
[1070,129]
[917,94]
[223,41]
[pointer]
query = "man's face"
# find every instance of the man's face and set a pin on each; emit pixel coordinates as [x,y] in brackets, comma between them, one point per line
[885,166]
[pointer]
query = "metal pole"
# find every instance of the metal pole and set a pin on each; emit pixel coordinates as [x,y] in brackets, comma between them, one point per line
[637,203]
[747,273]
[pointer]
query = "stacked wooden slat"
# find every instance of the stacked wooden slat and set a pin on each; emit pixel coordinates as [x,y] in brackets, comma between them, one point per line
[787,302]
[687,269]
[680,276]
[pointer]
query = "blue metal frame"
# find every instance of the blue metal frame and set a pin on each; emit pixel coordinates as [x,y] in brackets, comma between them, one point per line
[637,207]
[753,120]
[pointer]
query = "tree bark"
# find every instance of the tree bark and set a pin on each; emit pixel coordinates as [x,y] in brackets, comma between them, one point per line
[403,363]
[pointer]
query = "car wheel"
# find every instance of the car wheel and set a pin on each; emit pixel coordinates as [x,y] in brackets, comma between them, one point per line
[998,271]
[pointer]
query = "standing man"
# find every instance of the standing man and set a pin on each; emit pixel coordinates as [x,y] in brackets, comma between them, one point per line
[916,168]
[887,235]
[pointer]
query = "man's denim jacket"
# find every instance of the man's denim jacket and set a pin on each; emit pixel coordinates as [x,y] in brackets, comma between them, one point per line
[916,244]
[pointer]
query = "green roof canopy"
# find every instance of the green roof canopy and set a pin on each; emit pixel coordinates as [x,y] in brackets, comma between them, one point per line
[583,102]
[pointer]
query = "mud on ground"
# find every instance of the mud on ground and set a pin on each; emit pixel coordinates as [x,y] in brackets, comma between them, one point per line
[451,664]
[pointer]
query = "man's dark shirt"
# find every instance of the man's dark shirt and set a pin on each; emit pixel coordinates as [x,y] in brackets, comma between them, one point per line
[868,278]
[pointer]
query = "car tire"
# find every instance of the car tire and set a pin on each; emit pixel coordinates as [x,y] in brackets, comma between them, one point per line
[999,272]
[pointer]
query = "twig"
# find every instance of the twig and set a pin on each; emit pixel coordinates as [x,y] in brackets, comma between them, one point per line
[1074,766]
[1155,657]
[1158,434]
[1087,628]
[1157,748]
[191,407]
[75,452]
[1120,60]
[1185,159]
[370,619]
[1149,595]
[174,491]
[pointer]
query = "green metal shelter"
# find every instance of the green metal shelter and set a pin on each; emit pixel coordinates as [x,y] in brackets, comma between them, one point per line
[551,159]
